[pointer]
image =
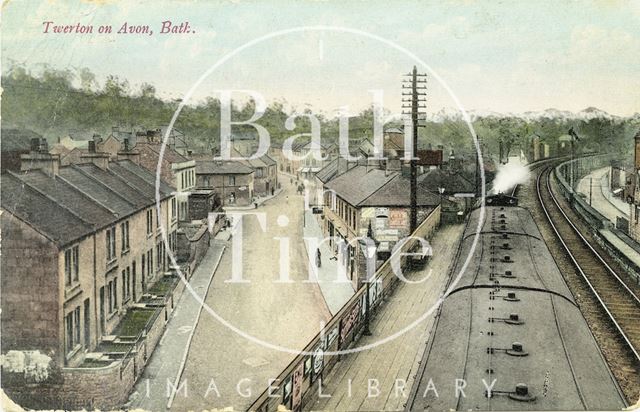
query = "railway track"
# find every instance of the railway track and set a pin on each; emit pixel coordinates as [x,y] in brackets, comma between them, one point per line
[619,303]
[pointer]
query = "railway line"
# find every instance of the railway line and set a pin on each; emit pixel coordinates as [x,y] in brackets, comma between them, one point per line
[616,303]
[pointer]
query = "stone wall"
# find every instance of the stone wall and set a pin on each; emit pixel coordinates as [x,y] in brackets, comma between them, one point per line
[193,242]
[89,388]
[104,388]
[29,291]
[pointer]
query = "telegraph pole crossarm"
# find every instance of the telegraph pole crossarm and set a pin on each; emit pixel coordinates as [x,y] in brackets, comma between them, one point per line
[417,102]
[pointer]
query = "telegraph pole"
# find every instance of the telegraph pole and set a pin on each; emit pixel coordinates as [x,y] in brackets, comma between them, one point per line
[415,101]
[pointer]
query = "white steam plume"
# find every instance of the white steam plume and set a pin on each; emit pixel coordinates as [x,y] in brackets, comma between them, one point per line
[510,175]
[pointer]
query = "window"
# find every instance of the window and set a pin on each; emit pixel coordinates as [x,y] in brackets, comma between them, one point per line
[259,172]
[76,326]
[124,231]
[76,262]
[72,328]
[149,221]
[206,182]
[126,283]
[174,210]
[150,262]
[71,265]
[111,243]
[112,295]
[159,255]
[181,211]
[232,180]
[68,320]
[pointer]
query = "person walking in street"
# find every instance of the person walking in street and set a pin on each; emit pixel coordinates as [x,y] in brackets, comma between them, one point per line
[318,258]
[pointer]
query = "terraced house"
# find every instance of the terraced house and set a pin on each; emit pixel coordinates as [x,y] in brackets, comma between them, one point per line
[82,249]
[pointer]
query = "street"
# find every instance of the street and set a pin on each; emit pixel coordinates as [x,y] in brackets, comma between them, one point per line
[284,314]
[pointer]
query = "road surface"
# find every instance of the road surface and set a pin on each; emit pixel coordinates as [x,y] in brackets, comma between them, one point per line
[224,369]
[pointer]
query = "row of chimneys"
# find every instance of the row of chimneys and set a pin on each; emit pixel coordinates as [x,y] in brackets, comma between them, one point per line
[40,158]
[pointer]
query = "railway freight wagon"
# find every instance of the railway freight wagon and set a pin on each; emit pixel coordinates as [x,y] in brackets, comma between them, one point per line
[509,335]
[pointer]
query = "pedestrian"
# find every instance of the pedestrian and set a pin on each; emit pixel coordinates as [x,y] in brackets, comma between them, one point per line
[291,181]
[272,191]
[318,258]
[255,205]
[287,199]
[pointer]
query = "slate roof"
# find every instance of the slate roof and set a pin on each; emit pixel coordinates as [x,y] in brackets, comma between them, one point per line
[80,200]
[262,161]
[169,155]
[212,167]
[16,139]
[331,169]
[131,172]
[397,192]
[364,186]
[328,171]
[359,183]
[453,182]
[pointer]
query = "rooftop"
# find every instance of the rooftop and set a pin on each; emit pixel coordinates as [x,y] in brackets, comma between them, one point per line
[360,182]
[214,167]
[79,200]
[170,155]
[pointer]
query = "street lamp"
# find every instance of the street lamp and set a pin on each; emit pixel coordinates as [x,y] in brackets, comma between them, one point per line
[441,191]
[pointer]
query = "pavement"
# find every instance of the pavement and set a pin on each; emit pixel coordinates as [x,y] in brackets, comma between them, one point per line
[167,359]
[238,347]
[336,293]
[597,182]
[257,201]
[380,378]
[609,206]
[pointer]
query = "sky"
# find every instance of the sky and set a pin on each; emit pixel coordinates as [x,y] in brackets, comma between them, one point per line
[502,56]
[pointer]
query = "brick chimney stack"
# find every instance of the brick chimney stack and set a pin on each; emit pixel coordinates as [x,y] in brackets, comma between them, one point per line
[97,158]
[40,158]
[127,153]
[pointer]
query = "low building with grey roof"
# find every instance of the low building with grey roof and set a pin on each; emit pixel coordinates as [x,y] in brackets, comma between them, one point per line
[232,180]
[367,200]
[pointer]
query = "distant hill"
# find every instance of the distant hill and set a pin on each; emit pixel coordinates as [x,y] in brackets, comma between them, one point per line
[453,114]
